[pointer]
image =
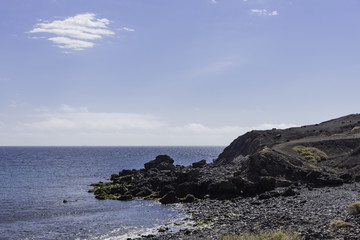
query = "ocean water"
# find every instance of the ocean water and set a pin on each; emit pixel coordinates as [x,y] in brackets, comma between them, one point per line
[36,180]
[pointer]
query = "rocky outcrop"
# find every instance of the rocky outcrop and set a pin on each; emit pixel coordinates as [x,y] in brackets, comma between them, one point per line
[253,164]
[161,162]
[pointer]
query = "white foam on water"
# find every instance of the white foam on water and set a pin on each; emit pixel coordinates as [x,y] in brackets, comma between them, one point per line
[123,233]
[130,232]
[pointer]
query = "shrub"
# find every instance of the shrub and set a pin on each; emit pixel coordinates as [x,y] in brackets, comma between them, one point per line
[311,154]
[354,208]
[332,171]
[357,128]
[275,235]
[339,224]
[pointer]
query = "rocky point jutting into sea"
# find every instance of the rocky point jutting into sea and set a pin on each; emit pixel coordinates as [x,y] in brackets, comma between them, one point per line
[300,178]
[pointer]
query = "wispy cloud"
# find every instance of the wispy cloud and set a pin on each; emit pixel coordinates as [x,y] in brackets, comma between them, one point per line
[80,119]
[72,44]
[127,29]
[75,33]
[198,127]
[213,1]
[67,117]
[264,12]
[68,125]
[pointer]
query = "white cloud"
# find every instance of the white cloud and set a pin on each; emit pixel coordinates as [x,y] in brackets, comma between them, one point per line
[80,119]
[37,37]
[68,125]
[75,33]
[199,134]
[128,29]
[67,108]
[264,12]
[198,127]
[73,44]
[213,1]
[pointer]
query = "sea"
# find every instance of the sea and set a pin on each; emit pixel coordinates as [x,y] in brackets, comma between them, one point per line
[35,181]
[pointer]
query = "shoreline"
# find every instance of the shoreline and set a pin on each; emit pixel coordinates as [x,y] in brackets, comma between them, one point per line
[299,179]
[309,213]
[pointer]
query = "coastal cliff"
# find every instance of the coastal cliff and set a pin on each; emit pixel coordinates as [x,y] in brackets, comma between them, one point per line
[325,154]
[301,180]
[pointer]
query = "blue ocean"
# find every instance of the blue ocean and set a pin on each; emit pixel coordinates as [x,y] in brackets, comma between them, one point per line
[36,180]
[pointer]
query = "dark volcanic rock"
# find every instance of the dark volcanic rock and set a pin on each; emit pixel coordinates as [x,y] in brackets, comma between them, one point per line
[269,183]
[189,198]
[310,214]
[199,164]
[169,198]
[255,163]
[223,190]
[184,188]
[161,162]
[289,192]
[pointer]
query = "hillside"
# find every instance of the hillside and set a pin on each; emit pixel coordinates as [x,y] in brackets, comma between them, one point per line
[325,154]
[264,180]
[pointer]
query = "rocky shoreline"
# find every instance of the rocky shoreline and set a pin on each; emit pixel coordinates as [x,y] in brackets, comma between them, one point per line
[310,213]
[299,178]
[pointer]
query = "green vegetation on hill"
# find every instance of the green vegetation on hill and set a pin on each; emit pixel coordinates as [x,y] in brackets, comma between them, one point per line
[311,154]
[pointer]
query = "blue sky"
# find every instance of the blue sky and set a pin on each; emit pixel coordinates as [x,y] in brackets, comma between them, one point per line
[180,72]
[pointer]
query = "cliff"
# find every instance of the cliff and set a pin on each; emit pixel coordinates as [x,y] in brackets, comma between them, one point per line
[325,154]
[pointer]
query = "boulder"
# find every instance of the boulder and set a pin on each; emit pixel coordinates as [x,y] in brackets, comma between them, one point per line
[125,172]
[249,189]
[199,164]
[183,189]
[166,189]
[289,192]
[223,189]
[117,188]
[264,196]
[169,198]
[189,175]
[346,177]
[189,198]
[266,184]
[161,162]
[126,197]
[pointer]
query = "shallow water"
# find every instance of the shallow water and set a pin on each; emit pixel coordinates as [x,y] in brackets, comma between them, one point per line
[36,180]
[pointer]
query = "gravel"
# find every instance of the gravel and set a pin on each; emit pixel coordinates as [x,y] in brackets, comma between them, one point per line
[309,213]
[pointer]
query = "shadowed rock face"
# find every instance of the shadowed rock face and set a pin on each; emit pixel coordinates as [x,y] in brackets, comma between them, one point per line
[161,162]
[338,130]
[254,163]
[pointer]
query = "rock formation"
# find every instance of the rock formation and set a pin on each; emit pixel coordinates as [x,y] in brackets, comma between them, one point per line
[325,154]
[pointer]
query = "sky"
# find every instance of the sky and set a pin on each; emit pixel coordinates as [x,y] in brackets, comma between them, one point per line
[179,72]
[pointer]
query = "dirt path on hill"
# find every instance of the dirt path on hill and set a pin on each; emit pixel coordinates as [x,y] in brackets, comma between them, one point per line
[286,147]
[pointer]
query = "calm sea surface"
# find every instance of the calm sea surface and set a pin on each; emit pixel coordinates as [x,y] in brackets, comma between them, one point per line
[36,180]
